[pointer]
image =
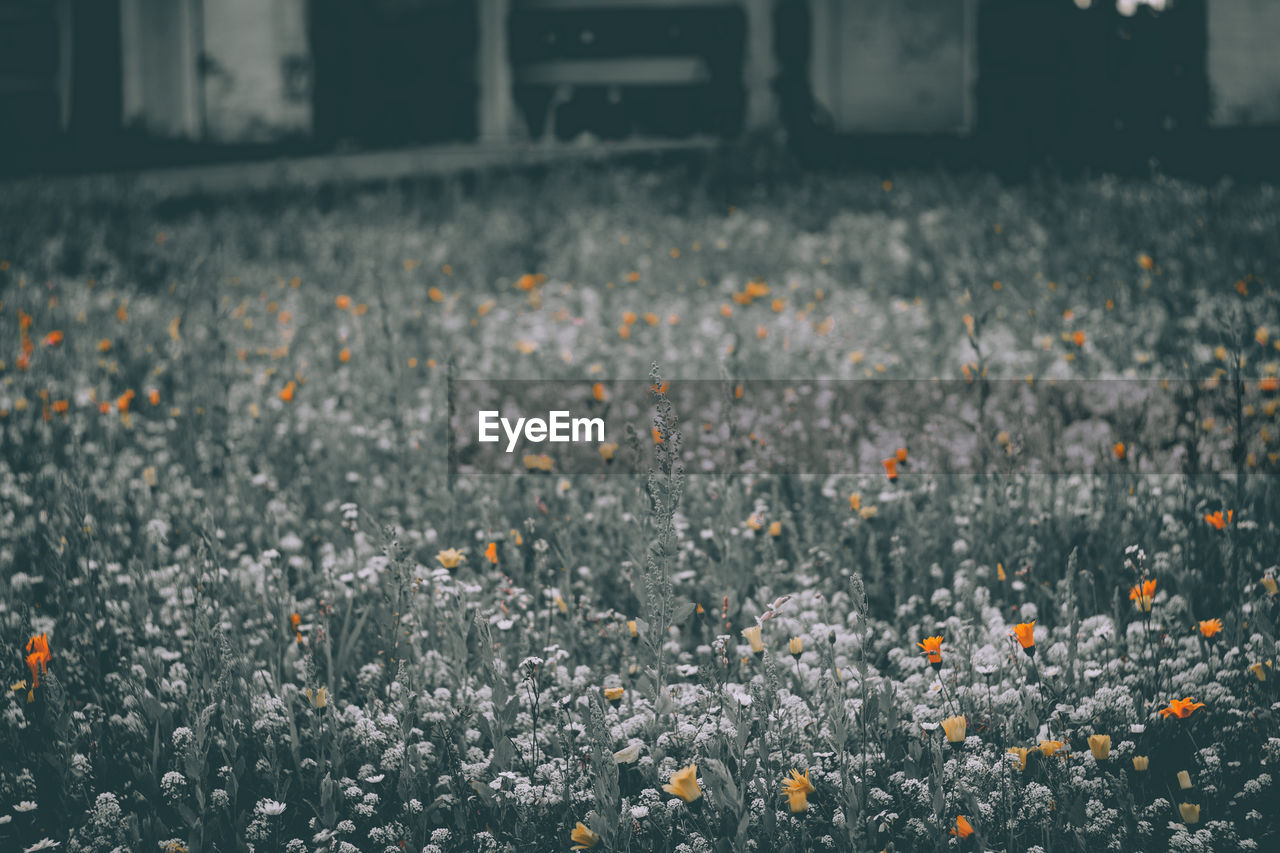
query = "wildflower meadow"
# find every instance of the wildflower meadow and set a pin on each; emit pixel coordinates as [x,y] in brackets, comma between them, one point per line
[249,601]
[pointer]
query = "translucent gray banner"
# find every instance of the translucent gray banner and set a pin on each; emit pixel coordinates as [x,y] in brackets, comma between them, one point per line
[893,428]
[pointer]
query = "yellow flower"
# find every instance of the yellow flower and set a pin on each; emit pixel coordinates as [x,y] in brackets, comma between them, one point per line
[561,604]
[607,450]
[450,558]
[684,784]
[632,629]
[1022,752]
[1050,747]
[796,646]
[1269,584]
[954,728]
[1190,812]
[753,635]
[583,837]
[1184,779]
[1140,763]
[318,698]
[613,694]
[775,529]
[1100,746]
[798,788]
[1259,670]
[855,501]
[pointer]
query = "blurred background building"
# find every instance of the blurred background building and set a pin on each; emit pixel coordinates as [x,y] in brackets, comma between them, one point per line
[88,84]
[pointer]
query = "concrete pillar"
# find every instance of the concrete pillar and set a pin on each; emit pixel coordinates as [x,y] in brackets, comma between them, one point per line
[497,111]
[159,42]
[761,66]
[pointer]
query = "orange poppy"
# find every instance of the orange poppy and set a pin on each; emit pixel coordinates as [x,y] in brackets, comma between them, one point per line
[891,468]
[933,650]
[1144,594]
[963,828]
[491,553]
[1210,627]
[1181,708]
[1216,519]
[1025,632]
[38,657]
[53,338]
[286,393]
[901,455]
[1077,338]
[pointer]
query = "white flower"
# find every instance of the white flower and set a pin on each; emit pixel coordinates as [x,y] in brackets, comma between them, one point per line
[42,844]
[373,780]
[25,806]
[269,807]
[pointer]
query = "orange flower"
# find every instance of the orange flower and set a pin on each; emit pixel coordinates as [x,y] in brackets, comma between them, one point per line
[38,657]
[153,397]
[53,338]
[900,455]
[343,302]
[1269,383]
[1216,519]
[1025,632]
[1210,627]
[1077,338]
[1119,450]
[933,650]
[1181,708]
[1143,594]
[491,553]
[61,406]
[963,828]
[891,468]
[286,393]
[344,355]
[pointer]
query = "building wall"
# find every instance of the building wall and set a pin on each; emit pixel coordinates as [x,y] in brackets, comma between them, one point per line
[257,70]
[904,66]
[1244,62]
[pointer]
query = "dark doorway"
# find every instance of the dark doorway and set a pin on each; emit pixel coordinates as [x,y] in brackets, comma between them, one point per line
[1077,86]
[96,93]
[30,115]
[394,72]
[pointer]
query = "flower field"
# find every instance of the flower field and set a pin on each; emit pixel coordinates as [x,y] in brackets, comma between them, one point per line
[246,603]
